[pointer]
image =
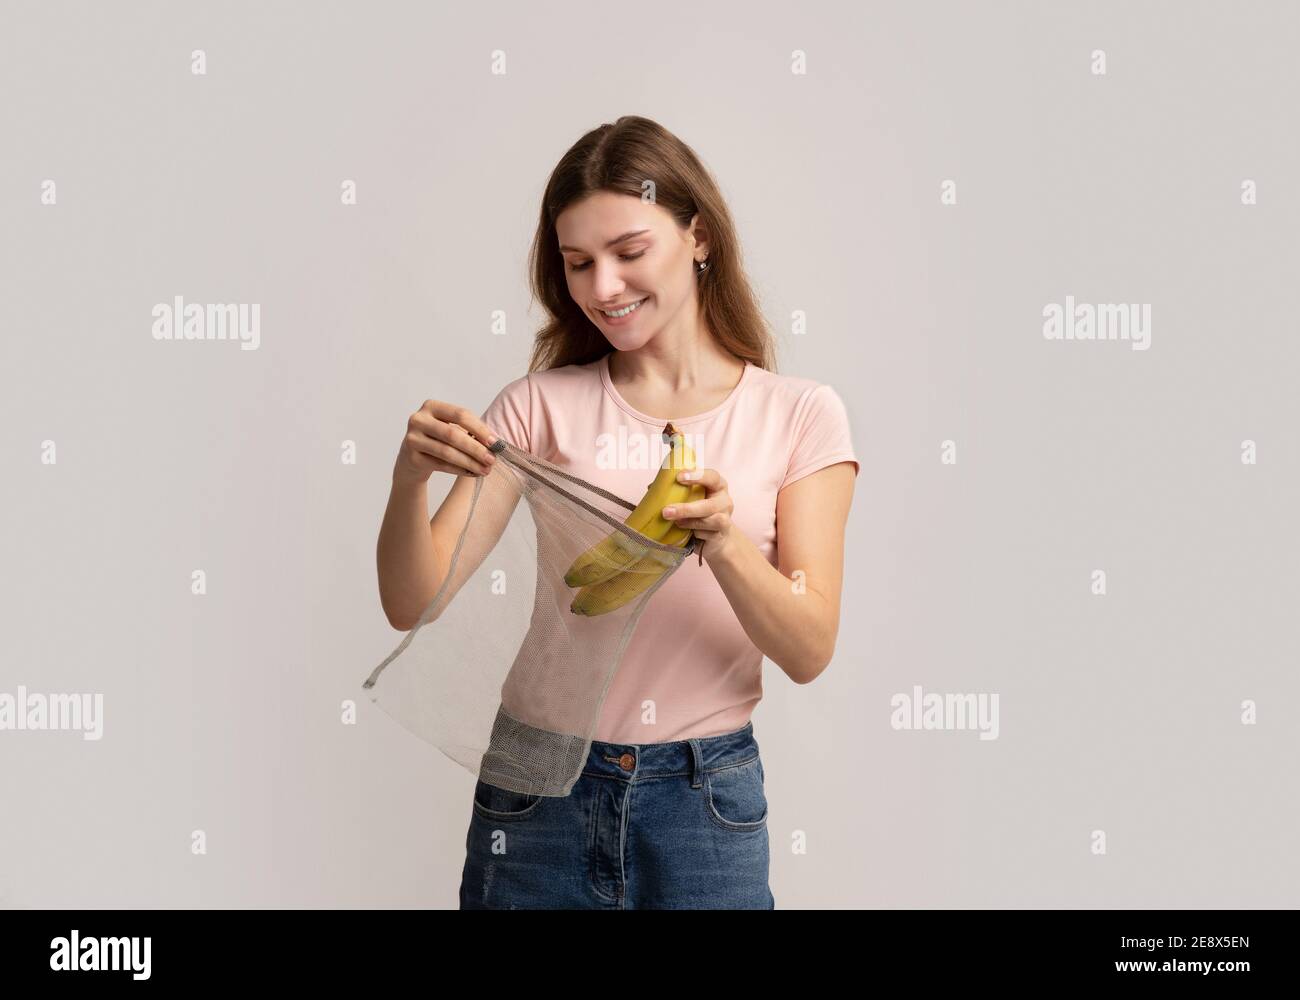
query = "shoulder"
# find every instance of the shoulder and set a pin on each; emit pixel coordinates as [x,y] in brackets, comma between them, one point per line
[566,376]
[521,409]
[811,421]
[795,396]
[556,379]
[541,383]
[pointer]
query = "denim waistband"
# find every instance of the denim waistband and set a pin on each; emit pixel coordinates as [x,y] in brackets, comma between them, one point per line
[693,757]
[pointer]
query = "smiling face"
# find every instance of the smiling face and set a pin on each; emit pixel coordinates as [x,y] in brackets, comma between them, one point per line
[619,250]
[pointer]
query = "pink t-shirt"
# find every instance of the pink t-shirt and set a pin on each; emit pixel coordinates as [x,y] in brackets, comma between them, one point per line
[769,432]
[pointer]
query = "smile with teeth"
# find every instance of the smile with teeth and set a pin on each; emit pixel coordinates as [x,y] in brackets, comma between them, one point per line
[619,313]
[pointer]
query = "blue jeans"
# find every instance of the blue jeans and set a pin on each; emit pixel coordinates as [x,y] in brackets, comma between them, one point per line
[673,826]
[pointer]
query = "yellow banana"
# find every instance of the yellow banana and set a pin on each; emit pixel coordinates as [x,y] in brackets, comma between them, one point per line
[666,490]
[608,556]
[622,587]
[676,534]
[614,553]
[612,590]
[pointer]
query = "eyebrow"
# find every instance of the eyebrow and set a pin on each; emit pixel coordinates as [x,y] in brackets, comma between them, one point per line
[614,242]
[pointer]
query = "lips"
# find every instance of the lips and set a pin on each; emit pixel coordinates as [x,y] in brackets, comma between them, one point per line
[631,309]
[621,305]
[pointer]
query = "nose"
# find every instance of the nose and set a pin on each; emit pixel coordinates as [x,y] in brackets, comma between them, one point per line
[606,285]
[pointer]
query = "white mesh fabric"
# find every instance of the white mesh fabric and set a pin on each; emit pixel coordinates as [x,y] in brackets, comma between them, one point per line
[498,672]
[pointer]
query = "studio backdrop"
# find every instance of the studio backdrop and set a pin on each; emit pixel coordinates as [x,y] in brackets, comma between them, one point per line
[1045,253]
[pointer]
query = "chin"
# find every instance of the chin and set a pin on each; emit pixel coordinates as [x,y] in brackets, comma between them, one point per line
[630,343]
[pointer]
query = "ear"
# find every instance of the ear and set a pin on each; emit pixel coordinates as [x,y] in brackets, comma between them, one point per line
[700,231]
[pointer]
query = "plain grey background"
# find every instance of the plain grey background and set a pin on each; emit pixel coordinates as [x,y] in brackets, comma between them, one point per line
[1119,713]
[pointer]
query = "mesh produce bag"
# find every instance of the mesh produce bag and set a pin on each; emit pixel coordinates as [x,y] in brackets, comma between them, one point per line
[507,668]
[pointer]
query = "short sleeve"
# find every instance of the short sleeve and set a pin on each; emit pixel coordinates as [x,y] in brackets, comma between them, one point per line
[509,415]
[821,435]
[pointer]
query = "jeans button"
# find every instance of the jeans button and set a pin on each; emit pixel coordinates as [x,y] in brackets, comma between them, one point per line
[627,762]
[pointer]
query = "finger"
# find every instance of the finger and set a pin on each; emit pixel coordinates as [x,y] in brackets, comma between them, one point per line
[452,434]
[454,470]
[697,508]
[452,456]
[462,439]
[708,478]
[451,414]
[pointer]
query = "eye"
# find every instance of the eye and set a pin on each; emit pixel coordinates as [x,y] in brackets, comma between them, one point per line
[623,256]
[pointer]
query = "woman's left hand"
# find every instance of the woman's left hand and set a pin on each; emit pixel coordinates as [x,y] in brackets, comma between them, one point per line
[709,518]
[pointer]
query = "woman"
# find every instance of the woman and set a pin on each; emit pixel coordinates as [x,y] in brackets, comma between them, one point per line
[636,261]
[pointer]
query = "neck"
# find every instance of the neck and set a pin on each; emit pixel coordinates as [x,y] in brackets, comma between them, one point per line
[676,362]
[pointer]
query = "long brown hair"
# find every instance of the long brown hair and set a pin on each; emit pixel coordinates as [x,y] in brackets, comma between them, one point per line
[620,158]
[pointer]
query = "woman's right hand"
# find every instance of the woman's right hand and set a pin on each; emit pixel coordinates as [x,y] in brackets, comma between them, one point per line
[443,437]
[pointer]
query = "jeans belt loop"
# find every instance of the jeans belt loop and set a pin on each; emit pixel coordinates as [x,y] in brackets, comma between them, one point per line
[697,764]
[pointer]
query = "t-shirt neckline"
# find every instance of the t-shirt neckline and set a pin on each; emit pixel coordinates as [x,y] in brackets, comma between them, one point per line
[623,404]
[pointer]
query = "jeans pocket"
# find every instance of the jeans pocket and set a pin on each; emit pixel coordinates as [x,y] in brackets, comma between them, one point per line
[735,797]
[492,802]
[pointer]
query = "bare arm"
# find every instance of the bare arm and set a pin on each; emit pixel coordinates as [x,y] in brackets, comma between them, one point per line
[412,562]
[793,620]
[414,554]
[417,569]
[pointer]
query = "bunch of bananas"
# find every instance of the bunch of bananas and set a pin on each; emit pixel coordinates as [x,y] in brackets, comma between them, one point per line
[617,569]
